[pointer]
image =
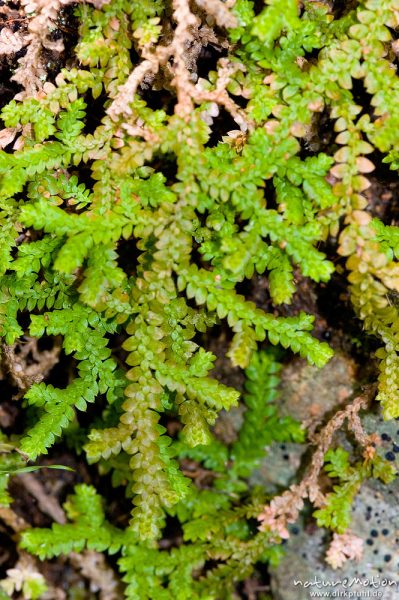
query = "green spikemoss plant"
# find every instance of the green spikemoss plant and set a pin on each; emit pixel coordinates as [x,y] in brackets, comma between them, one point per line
[200,211]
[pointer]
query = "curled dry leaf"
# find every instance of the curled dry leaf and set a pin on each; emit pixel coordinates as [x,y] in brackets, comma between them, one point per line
[7,135]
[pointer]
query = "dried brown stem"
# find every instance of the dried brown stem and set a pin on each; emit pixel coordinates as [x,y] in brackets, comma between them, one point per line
[187,93]
[182,81]
[47,504]
[220,95]
[41,16]
[26,364]
[102,578]
[126,92]
[219,11]
[12,519]
[324,439]
[285,509]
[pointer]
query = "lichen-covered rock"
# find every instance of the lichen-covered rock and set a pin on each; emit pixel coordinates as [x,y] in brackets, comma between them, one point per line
[307,393]
[375,519]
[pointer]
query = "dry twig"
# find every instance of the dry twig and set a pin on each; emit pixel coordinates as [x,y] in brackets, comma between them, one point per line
[285,509]
[220,11]
[188,94]
[47,504]
[26,364]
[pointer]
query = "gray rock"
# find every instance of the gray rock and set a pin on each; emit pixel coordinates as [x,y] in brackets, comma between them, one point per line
[375,519]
